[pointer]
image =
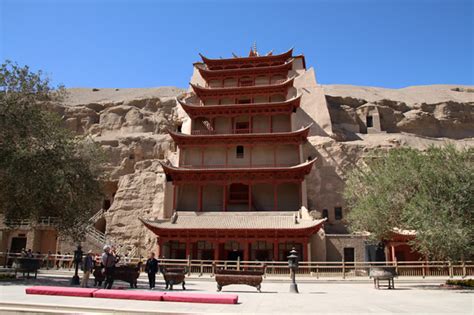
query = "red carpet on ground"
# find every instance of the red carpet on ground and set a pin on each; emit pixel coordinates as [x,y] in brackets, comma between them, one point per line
[63,291]
[137,295]
[129,295]
[201,298]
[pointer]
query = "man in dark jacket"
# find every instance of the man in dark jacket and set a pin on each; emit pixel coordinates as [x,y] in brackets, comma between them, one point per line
[108,261]
[151,268]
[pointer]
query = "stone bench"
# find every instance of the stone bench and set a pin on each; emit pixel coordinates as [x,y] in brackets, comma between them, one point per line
[27,266]
[252,277]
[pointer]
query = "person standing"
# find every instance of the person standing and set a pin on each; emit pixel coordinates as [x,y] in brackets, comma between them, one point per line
[109,261]
[88,266]
[151,269]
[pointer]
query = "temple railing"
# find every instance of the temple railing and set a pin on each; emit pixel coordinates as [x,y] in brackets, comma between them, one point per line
[336,270]
[206,132]
[230,166]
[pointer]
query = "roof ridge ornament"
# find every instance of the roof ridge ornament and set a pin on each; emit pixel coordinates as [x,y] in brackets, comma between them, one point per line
[253,50]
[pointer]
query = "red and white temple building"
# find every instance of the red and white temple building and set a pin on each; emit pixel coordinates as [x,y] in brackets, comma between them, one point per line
[237,187]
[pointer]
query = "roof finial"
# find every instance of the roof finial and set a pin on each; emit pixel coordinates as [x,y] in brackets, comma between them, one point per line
[253,50]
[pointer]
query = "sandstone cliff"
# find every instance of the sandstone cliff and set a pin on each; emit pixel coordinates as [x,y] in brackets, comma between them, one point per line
[131,125]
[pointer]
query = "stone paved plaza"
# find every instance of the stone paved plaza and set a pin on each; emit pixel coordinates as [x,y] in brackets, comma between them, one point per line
[411,296]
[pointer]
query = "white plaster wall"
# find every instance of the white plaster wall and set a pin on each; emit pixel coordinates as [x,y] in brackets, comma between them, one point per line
[261,124]
[287,155]
[281,123]
[212,198]
[187,198]
[288,197]
[214,156]
[262,197]
[192,156]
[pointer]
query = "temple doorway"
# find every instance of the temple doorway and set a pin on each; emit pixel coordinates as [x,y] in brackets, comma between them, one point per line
[261,251]
[233,250]
[235,255]
[18,243]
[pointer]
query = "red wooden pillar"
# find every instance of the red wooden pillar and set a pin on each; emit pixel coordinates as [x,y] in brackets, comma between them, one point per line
[200,198]
[188,248]
[250,154]
[305,250]
[300,193]
[159,252]
[232,120]
[250,196]
[202,156]
[274,156]
[224,188]
[246,250]
[216,250]
[226,156]
[275,250]
[275,196]
[251,125]
[175,188]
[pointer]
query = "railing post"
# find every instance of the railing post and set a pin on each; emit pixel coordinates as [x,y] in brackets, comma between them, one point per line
[423,271]
[317,271]
[238,263]
[225,264]
[450,269]
[343,269]
[213,270]
[189,265]
[7,253]
[464,269]
[202,269]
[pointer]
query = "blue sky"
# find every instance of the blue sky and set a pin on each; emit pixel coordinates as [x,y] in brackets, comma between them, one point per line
[392,43]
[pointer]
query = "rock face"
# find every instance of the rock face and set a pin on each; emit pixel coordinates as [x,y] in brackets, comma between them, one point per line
[131,126]
[432,111]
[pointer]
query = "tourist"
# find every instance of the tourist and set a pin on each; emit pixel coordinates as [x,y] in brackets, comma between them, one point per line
[58,259]
[109,261]
[88,267]
[151,269]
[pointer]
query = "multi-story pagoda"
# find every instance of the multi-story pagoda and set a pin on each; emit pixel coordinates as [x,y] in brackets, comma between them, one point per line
[238,184]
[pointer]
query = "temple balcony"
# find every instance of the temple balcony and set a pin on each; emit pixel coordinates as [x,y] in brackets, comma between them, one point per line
[251,107]
[237,91]
[218,174]
[247,62]
[239,136]
[256,73]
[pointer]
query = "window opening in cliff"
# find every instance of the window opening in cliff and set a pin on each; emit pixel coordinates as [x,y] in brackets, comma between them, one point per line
[106,204]
[325,213]
[338,213]
[370,121]
[100,225]
[179,127]
[239,152]
[131,156]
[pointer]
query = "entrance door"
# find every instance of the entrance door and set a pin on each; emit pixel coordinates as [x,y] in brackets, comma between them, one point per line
[349,254]
[18,243]
[235,254]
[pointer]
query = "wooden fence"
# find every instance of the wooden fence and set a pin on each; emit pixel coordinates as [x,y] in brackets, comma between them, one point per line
[338,269]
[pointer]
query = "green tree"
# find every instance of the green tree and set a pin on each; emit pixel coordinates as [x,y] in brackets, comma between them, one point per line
[430,192]
[45,171]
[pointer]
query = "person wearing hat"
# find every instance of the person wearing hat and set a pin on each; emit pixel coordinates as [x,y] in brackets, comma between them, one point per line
[88,267]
